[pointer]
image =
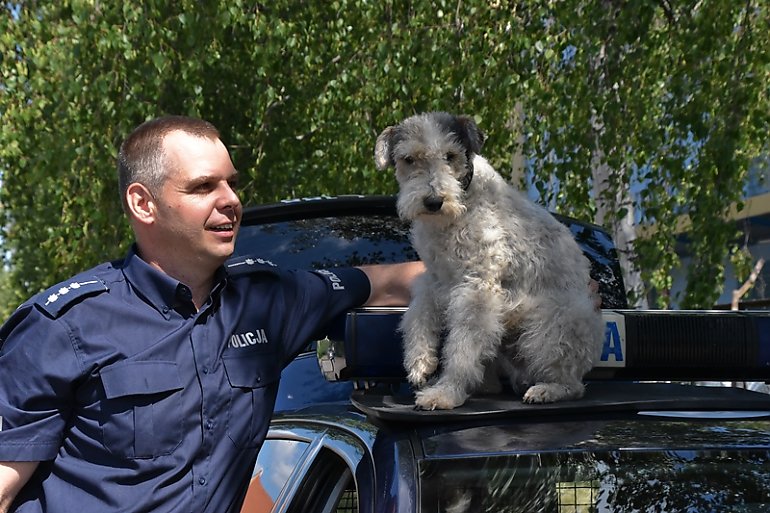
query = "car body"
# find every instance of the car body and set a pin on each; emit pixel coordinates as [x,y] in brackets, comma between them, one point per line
[345,436]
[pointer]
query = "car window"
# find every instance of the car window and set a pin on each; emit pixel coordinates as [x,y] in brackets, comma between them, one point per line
[351,240]
[608,481]
[328,242]
[328,487]
[276,462]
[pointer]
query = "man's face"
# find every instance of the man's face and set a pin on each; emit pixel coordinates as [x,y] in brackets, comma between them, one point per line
[198,210]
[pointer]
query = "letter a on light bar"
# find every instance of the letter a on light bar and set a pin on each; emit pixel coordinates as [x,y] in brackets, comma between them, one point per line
[614,347]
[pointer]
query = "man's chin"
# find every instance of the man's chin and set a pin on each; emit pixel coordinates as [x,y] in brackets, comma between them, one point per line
[221,254]
[225,254]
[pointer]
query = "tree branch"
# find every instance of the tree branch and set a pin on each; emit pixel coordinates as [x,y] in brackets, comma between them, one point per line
[737,294]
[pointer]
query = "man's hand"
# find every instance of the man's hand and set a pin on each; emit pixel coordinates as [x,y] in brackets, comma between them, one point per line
[593,286]
[392,283]
[13,476]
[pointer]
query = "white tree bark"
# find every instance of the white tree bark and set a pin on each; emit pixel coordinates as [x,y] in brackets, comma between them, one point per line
[611,194]
[518,162]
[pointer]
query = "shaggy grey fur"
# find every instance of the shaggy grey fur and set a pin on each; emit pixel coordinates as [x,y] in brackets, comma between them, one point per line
[505,281]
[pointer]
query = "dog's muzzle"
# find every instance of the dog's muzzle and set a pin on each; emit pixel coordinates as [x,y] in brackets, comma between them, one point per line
[433,203]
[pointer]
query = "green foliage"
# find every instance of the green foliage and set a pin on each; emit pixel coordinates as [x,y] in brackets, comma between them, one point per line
[680,93]
[300,91]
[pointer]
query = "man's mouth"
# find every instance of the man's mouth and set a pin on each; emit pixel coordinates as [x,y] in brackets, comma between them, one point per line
[223,227]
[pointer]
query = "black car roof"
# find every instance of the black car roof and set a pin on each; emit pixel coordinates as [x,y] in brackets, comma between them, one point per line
[600,398]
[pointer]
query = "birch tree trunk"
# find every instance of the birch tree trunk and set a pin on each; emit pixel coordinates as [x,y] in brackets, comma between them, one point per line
[622,228]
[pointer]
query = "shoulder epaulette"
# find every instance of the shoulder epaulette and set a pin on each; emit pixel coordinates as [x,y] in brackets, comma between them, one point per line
[57,298]
[248,265]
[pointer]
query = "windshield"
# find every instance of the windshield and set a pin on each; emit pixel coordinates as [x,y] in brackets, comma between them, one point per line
[328,242]
[607,481]
[350,240]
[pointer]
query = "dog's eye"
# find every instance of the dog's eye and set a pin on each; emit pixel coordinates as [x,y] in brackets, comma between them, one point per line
[450,157]
[409,159]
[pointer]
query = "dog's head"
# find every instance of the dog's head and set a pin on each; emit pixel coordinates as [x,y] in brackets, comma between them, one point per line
[433,156]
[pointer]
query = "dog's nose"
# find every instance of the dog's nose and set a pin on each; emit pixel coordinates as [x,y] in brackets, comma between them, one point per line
[433,203]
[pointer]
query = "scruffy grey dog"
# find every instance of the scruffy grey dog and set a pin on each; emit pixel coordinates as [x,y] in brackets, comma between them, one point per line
[507,281]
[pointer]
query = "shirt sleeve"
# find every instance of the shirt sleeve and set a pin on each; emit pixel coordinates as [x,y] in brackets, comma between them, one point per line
[317,298]
[38,365]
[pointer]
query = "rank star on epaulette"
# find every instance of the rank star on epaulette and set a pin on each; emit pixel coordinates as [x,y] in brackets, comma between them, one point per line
[55,300]
[250,265]
[252,261]
[66,289]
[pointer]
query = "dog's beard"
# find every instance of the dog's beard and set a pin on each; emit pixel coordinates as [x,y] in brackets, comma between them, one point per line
[411,207]
[447,215]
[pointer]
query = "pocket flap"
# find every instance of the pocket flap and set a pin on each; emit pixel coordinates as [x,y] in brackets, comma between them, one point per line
[140,378]
[251,371]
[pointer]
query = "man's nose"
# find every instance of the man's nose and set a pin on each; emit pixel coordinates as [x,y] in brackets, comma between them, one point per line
[229,197]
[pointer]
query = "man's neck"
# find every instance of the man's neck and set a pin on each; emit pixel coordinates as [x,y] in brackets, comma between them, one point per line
[197,276]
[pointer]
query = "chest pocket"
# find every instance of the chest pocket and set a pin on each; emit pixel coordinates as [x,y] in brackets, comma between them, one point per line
[140,417]
[253,382]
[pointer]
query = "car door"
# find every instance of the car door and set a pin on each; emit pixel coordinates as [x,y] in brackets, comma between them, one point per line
[310,469]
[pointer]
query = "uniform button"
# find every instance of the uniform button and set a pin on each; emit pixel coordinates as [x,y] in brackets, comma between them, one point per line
[202,481]
[259,379]
[164,309]
[209,424]
[205,370]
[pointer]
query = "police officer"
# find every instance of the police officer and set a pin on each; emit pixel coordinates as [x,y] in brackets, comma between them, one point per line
[147,384]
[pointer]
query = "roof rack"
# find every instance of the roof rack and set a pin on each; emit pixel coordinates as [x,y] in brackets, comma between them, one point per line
[639,345]
[662,399]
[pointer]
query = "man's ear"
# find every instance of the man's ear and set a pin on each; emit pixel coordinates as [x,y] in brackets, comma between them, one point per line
[141,203]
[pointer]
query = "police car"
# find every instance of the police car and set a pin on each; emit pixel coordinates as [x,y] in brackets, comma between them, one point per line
[346,438]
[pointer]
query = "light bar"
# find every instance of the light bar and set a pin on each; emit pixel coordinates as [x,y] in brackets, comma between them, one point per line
[639,345]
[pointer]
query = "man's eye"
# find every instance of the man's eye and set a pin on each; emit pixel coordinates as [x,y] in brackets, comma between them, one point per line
[202,187]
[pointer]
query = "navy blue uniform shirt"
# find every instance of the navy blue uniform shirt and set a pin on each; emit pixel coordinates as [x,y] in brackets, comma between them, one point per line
[134,401]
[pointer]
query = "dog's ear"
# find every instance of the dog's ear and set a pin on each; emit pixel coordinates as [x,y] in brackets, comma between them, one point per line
[383,154]
[470,134]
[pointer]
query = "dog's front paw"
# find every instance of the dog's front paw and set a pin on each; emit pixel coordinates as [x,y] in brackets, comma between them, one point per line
[539,394]
[552,392]
[420,369]
[440,397]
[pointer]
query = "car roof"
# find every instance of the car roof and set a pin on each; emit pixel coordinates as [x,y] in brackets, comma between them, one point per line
[601,398]
[651,416]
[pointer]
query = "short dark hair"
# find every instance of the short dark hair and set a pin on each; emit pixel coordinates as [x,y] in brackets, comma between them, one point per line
[142,158]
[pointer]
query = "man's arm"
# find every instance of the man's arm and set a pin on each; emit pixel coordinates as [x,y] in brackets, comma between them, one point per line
[392,283]
[13,476]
